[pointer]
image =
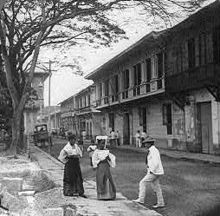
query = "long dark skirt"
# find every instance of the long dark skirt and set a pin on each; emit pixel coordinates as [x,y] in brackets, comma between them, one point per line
[72,181]
[105,186]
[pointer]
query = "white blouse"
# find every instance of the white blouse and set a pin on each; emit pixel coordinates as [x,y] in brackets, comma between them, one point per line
[69,150]
[100,155]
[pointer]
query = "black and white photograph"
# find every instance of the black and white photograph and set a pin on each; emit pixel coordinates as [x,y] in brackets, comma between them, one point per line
[109,107]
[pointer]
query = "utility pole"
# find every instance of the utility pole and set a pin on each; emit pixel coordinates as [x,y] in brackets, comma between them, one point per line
[49,70]
[49,96]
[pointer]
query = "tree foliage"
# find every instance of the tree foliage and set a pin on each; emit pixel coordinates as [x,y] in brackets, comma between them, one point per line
[25,26]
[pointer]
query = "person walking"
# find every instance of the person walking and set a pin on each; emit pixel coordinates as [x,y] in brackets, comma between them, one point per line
[72,180]
[155,170]
[102,159]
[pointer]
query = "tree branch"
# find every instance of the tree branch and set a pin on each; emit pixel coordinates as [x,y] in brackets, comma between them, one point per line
[10,83]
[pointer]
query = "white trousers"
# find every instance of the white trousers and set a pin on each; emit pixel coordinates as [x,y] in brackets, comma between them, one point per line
[138,143]
[155,184]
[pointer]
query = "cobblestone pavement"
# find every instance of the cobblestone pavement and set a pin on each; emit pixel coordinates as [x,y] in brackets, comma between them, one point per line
[90,206]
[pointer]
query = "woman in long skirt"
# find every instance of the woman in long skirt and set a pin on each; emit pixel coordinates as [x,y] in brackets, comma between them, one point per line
[102,159]
[72,181]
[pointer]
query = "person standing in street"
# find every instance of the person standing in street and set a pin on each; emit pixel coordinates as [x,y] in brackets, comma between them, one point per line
[138,139]
[117,136]
[154,171]
[112,138]
[143,137]
[102,160]
[72,181]
[91,150]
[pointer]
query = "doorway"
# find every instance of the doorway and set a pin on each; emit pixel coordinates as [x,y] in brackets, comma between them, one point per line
[144,112]
[126,129]
[204,123]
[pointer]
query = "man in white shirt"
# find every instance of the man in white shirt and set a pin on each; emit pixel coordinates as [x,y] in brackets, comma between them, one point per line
[154,171]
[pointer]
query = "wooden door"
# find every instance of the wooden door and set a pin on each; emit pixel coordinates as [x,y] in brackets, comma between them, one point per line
[205,126]
[126,129]
[144,111]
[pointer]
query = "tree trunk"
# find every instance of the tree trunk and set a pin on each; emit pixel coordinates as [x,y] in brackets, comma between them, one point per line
[17,135]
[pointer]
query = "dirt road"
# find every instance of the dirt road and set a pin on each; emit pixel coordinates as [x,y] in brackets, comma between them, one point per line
[190,188]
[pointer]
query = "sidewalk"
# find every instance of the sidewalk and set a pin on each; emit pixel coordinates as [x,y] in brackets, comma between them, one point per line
[91,206]
[180,154]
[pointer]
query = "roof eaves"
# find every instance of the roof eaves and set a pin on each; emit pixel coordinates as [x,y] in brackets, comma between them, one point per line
[153,34]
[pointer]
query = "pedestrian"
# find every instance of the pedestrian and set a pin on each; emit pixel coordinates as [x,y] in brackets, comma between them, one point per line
[154,171]
[112,138]
[117,137]
[143,136]
[102,159]
[72,181]
[80,144]
[138,139]
[91,150]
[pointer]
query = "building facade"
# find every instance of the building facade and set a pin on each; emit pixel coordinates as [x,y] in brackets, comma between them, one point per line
[130,89]
[67,109]
[34,107]
[193,78]
[87,117]
[167,85]
[79,116]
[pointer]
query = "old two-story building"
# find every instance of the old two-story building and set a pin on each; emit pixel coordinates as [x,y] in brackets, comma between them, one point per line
[130,90]
[87,117]
[79,116]
[67,108]
[167,85]
[193,81]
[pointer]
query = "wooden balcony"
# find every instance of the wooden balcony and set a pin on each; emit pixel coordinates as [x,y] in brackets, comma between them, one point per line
[196,78]
[155,86]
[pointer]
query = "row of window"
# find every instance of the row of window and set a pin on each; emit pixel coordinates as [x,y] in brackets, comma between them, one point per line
[154,68]
[196,48]
[83,101]
[190,54]
[197,51]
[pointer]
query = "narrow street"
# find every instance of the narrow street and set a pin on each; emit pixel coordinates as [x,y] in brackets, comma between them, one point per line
[190,188]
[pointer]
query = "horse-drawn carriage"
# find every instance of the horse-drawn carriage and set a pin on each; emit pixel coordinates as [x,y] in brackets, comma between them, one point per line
[41,136]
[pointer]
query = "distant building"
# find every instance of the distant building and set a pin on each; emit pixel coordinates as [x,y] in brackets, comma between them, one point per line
[79,116]
[87,117]
[67,110]
[54,121]
[33,107]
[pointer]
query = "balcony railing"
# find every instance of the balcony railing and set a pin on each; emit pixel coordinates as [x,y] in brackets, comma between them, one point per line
[136,90]
[193,78]
[155,86]
[114,98]
[106,99]
[98,102]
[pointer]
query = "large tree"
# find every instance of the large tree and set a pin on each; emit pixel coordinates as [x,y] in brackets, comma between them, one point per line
[27,25]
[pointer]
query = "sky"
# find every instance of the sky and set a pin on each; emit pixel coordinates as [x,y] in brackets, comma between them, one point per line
[64,83]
